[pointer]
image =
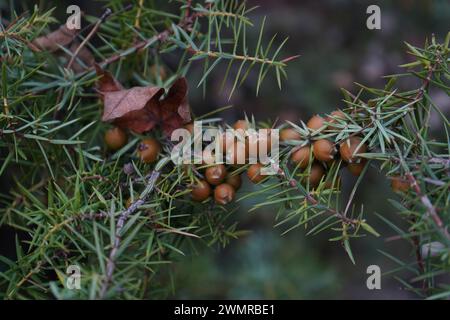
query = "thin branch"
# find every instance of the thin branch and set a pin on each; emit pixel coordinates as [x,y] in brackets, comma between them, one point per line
[419,259]
[111,265]
[430,209]
[216,54]
[162,36]
[313,201]
[186,23]
[21,39]
[104,16]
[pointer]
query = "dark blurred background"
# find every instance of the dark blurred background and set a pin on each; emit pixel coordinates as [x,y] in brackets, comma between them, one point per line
[336,50]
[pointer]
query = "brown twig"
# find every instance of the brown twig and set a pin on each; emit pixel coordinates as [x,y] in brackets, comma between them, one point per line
[420,263]
[111,264]
[417,98]
[104,16]
[429,207]
[95,177]
[162,36]
[313,201]
[15,36]
[185,23]
[21,39]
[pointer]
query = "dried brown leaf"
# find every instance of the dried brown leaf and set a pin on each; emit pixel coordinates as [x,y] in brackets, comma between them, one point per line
[106,82]
[175,110]
[140,109]
[64,37]
[84,55]
[129,108]
[54,40]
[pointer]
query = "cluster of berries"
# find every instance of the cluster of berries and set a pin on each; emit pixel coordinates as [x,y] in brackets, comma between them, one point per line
[218,181]
[314,158]
[148,149]
[320,153]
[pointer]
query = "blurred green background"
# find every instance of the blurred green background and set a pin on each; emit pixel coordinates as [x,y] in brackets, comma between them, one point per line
[336,50]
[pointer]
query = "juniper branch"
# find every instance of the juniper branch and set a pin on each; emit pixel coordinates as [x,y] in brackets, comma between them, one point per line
[111,264]
[313,201]
[429,207]
[104,16]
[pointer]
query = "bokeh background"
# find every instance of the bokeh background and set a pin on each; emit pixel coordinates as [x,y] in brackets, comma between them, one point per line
[336,50]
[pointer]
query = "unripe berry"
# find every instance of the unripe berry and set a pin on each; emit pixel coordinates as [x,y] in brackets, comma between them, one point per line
[301,156]
[315,123]
[224,193]
[254,173]
[333,118]
[338,114]
[241,124]
[399,184]
[356,168]
[201,191]
[216,174]
[323,150]
[289,134]
[234,180]
[316,174]
[349,149]
[148,150]
[115,138]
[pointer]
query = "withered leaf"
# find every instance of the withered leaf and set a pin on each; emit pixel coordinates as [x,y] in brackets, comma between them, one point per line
[175,109]
[64,37]
[106,82]
[129,108]
[84,55]
[54,40]
[140,109]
